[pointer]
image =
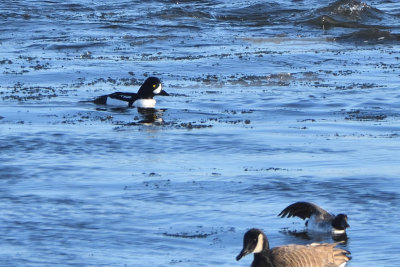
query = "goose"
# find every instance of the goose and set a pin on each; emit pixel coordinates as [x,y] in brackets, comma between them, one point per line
[313,255]
[319,220]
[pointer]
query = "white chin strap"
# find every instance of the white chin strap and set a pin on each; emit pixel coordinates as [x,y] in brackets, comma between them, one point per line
[260,244]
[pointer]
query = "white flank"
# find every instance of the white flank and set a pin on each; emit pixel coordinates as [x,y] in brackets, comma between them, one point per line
[157,90]
[116,102]
[145,103]
[338,232]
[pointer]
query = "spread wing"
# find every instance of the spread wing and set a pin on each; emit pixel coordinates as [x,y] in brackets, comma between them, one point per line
[302,210]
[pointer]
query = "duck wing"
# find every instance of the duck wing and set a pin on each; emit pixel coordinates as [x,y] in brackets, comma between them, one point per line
[122,96]
[303,210]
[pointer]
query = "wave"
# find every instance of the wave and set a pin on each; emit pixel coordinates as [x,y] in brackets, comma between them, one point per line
[260,14]
[327,22]
[353,10]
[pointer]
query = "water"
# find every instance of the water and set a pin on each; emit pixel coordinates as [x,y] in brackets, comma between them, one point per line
[271,103]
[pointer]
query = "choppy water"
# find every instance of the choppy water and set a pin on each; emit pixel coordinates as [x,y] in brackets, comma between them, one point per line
[270,103]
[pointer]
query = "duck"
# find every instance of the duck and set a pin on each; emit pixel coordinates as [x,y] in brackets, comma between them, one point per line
[142,99]
[319,220]
[312,255]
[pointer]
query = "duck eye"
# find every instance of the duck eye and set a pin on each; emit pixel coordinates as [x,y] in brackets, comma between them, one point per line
[154,86]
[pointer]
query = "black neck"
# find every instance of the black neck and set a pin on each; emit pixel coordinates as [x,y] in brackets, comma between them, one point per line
[262,259]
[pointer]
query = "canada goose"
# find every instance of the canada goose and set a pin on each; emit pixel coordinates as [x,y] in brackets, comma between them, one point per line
[313,255]
[319,219]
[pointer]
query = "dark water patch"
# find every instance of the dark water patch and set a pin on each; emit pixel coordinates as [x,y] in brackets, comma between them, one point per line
[6,61]
[326,22]
[55,145]
[302,104]
[82,118]
[316,237]
[242,80]
[148,39]
[75,46]
[370,36]
[190,235]
[75,7]
[275,169]
[298,234]
[179,12]
[279,79]
[9,172]
[340,17]
[258,15]
[191,125]
[357,85]
[365,115]
[22,93]
[280,185]
[110,81]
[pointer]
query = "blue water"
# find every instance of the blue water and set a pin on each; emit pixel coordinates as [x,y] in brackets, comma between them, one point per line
[268,106]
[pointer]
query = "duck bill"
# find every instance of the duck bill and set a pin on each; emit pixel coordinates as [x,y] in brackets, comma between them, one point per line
[163,93]
[242,253]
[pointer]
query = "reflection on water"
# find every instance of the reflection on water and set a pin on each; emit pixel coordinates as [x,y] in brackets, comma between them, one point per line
[151,115]
[316,237]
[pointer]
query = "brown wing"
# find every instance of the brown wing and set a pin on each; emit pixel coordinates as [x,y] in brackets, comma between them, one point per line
[314,255]
[303,210]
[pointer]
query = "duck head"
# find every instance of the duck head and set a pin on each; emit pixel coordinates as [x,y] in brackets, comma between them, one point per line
[339,223]
[151,87]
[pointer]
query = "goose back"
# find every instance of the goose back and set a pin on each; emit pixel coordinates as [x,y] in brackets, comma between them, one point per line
[313,255]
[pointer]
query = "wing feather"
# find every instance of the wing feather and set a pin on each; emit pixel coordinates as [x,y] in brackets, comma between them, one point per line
[302,210]
[314,255]
[122,96]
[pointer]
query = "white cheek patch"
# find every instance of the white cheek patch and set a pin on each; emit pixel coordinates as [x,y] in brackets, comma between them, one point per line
[157,90]
[260,244]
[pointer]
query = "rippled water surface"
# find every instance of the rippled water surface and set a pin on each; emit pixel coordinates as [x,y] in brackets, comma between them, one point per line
[271,102]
